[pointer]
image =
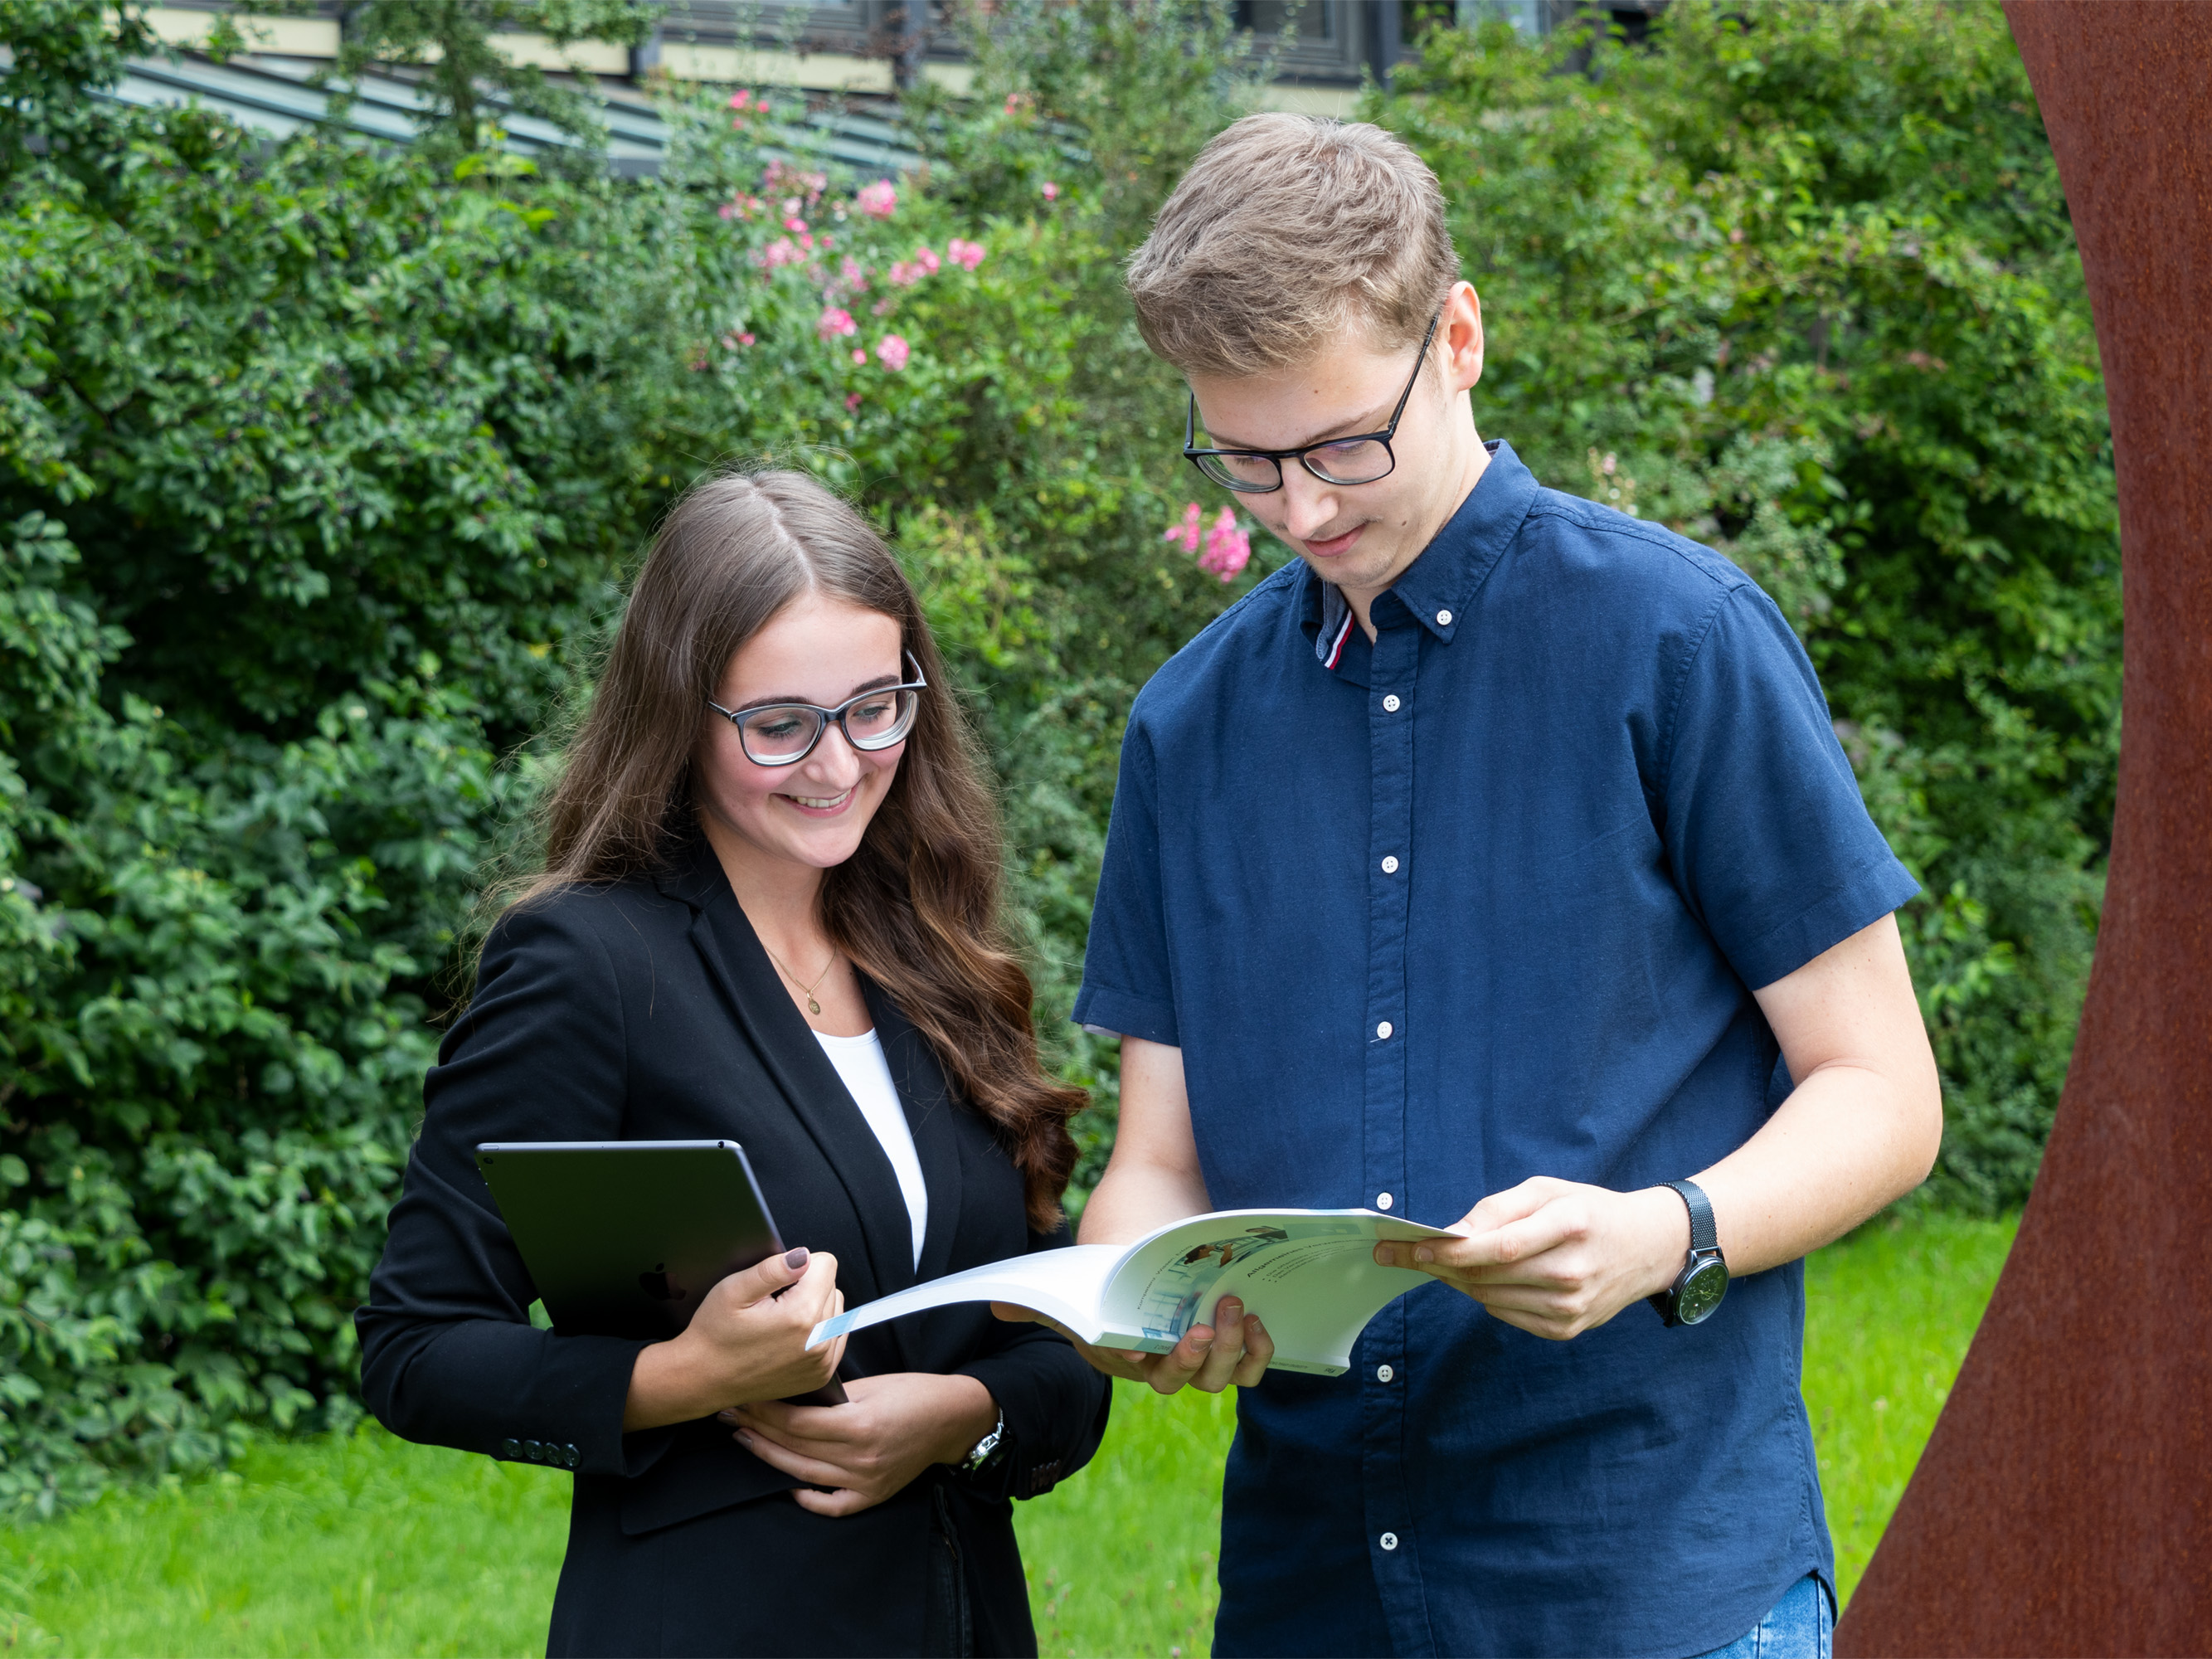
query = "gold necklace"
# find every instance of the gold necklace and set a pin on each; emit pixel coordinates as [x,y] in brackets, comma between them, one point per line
[805,990]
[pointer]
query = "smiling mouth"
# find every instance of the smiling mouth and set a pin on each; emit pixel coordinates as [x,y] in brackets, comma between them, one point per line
[820,803]
[1330,547]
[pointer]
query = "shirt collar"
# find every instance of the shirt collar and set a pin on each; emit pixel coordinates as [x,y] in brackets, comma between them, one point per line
[1438,587]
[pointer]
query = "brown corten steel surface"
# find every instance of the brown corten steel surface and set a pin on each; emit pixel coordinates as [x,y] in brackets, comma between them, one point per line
[2064,1503]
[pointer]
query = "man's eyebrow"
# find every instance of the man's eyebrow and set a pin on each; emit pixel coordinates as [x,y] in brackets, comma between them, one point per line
[1360,424]
[781,697]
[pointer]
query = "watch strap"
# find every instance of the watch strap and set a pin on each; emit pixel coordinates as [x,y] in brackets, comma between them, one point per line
[1704,1235]
[983,1449]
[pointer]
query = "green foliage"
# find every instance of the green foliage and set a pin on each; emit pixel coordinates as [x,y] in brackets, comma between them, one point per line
[58,50]
[1803,288]
[320,469]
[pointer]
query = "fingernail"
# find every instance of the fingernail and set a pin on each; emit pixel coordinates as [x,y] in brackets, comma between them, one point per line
[796,1259]
[1203,1347]
[1258,1329]
[1425,1254]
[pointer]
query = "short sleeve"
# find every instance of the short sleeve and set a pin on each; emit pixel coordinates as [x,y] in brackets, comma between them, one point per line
[1769,839]
[1126,987]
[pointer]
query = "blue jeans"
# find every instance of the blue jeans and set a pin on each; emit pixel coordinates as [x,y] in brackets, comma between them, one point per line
[1801,1626]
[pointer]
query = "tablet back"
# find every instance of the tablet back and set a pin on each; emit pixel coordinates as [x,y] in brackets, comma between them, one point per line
[623,1238]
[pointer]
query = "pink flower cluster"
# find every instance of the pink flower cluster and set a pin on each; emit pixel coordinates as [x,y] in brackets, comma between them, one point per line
[878,200]
[744,105]
[781,251]
[835,323]
[906,273]
[1227,550]
[778,177]
[966,255]
[1051,191]
[891,352]
[743,207]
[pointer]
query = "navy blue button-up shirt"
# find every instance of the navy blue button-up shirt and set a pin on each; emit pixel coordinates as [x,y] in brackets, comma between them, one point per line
[1485,900]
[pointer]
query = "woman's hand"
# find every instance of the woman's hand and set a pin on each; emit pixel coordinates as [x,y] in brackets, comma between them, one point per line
[748,1341]
[889,1430]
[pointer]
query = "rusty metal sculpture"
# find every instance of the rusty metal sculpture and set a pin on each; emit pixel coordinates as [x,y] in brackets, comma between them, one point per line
[2064,1504]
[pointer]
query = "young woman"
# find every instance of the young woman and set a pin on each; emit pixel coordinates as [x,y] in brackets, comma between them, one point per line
[769,914]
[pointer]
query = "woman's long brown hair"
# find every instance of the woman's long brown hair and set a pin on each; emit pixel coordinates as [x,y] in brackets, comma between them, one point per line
[918,906]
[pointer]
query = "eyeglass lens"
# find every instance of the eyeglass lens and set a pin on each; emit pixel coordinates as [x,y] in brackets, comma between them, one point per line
[782,732]
[1359,462]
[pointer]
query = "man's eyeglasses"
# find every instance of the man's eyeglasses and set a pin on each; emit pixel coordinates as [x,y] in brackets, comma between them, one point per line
[1361,459]
[785,733]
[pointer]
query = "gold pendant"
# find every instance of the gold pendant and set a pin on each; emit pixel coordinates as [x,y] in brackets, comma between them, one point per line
[812,1007]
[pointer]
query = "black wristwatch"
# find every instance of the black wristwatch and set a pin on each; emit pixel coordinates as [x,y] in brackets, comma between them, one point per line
[1703,1280]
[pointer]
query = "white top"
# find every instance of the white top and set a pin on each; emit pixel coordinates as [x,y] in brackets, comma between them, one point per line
[860,1060]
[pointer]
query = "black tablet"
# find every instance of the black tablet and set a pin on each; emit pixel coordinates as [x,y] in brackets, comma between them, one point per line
[624,1237]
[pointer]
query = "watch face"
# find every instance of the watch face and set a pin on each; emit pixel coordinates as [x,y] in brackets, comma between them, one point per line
[1702,1289]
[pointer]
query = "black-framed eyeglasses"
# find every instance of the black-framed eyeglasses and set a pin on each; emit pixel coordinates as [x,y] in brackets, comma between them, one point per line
[1361,459]
[785,733]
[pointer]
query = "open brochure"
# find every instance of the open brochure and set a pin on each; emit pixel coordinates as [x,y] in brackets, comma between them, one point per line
[1309,1274]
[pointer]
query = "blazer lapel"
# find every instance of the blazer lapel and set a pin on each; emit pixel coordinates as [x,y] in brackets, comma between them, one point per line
[727,943]
[930,1109]
[932,1115]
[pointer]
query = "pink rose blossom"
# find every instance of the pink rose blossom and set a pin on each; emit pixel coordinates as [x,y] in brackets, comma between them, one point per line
[742,99]
[851,273]
[1185,531]
[1051,191]
[728,209]
[925,258]
[878,200]
[966,255]
[1228,549]
[834,321]
[852,402]
[891,352]
[794,223]
[902,275]
[744,339]
[781,251]
[860,355]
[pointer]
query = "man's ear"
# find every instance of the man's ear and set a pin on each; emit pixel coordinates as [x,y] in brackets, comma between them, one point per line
[1462,329]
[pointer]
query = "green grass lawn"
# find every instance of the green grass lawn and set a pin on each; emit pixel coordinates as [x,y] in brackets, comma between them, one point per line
[368,1546]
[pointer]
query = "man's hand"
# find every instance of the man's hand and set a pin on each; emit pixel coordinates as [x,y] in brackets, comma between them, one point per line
[889,1430]
[1557,1258]
[1235,1348]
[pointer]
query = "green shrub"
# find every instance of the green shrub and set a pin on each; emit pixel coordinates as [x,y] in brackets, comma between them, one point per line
[322,468]
[1800,282]
[320,471]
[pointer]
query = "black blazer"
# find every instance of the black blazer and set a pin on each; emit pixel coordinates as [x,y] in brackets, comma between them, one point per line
[648,1010]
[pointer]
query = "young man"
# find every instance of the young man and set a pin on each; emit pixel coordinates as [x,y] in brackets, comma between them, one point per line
[1493,865]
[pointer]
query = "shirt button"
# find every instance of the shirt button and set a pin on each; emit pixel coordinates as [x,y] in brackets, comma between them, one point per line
[510,1449]
[1389,1540]
[1390,865]
[1444,619]
[1382,1200]
[1383,1373]
[1390,703]
[1382,1030]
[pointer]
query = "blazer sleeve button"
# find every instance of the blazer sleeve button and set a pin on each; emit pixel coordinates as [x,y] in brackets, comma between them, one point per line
[571,1457]
[510,1449]
[534,1451]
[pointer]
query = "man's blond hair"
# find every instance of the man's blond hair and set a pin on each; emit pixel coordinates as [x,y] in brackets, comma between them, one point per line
[1287,231]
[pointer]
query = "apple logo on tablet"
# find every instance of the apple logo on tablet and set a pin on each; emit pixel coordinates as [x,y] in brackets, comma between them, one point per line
[656,1285]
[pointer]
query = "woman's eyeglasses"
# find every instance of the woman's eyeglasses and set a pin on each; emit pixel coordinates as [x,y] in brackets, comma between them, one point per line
[785,733]
[1361,459]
